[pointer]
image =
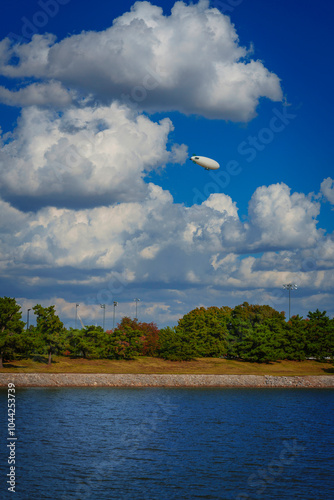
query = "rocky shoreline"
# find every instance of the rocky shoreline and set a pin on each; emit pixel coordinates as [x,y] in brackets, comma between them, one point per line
[162,380]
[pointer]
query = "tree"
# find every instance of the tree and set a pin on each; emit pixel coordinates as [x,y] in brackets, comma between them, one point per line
[256,333]
[295,339]
[89,342]
[239,330]
[50,330]
[128,339]
[150,339]
[175,345]
[261,345]
[320,335]
[11,327]
[206,330]
[147,332]
[256,313]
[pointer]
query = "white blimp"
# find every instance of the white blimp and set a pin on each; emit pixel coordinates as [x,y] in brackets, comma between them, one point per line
[205,162]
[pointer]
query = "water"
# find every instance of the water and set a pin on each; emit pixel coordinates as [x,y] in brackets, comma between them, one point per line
[159,443]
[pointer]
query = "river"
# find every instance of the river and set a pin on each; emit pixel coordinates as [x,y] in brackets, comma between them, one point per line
[170,443]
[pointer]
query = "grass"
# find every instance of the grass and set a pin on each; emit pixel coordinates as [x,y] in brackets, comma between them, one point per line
[146,365]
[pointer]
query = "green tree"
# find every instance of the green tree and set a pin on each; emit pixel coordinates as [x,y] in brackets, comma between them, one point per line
[262,345]
[256,314]
[206,330]
[200,333]
[11,328]
[256,333]
[295,339]
[239,330]
[320,335]
[49,331]
[176,345]
[89,342]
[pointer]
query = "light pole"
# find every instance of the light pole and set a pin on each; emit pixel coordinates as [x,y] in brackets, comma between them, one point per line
[103,306]
[28,318]
[290,286]
[76,314]
[115,304]
[136,300]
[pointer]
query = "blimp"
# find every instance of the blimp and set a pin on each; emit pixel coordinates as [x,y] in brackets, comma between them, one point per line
[205,162]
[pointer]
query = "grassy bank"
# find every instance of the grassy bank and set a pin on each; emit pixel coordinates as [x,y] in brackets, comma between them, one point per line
[146,365]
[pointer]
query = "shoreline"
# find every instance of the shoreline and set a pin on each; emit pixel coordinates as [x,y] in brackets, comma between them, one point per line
[163,380]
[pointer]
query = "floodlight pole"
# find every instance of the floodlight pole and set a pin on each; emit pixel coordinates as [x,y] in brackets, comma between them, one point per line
[28,318]
[103,306]
[76,314]
[136,300]
[115,304]
[290,286]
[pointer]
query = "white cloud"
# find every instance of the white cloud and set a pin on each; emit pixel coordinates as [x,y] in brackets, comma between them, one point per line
[276,219]
[222,203]
[157,248]
[157,239]
[190,61]
[228,263]
[89,156]
[282,220]
[327,189]
[38,94]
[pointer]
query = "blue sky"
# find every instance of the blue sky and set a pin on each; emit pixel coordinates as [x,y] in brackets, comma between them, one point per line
[101,108]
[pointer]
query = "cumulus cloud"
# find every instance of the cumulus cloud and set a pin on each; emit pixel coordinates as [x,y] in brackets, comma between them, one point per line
[276,219]
[188,255]
[190,61]
[280,219]
[160,239]
[327,189]
[223,204]
[37,94]
[87,157]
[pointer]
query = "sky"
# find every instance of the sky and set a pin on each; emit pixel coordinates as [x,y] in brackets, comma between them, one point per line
[101,107]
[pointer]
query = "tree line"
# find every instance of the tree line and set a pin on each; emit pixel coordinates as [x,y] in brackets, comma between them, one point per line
[256,333]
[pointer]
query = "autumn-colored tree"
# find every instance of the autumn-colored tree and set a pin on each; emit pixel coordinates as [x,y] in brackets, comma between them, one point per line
[150,332]
[127,340]
[147,333]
